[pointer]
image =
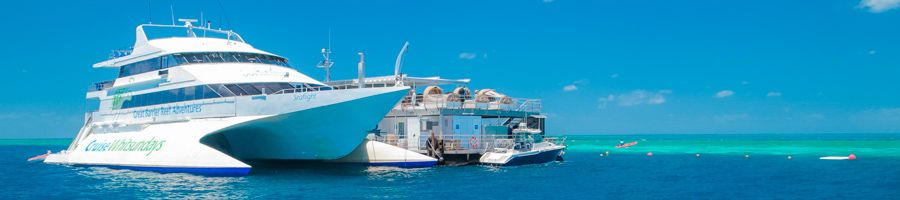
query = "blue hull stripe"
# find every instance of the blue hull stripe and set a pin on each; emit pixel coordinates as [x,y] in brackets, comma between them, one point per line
[419,164]
[205,171]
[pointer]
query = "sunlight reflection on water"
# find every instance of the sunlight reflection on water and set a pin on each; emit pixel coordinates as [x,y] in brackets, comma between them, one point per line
[171,185]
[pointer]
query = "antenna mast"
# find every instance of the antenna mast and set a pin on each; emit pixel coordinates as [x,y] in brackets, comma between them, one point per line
[397,76]
[326,55]
[172,11]
[361,70]
[150,11]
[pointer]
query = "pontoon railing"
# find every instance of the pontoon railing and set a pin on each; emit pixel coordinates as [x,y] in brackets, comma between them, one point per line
[465,142]
[452,101]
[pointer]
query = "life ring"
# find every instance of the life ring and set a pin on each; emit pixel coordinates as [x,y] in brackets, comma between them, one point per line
[473,142]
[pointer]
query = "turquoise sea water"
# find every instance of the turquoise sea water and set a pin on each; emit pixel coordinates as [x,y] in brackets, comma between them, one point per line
[674,172]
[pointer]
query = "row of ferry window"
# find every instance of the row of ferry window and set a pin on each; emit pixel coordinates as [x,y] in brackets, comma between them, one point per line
[206,57]
[205,92]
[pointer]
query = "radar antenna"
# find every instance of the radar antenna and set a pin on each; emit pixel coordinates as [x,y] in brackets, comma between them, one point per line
[326,55]
[187,23]
[326,63]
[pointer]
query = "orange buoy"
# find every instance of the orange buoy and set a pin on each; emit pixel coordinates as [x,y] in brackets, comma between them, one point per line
[851,157]
[649,153]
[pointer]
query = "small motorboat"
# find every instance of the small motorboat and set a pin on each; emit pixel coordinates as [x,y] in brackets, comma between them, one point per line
[626,145]
[850,157]
[542,152]
[834,158]
[524,149]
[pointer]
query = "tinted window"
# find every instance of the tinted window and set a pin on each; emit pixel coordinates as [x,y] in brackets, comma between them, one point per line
[170,96]
[202,92]
[189,58]
[249,89]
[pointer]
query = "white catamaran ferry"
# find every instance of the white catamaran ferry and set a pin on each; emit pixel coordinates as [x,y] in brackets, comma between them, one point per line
[201,100]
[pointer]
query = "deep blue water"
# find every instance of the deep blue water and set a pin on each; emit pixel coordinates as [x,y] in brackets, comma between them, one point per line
[584,175]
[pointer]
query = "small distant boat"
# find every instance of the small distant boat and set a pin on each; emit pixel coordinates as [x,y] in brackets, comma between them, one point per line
[850,157]
[834,158]
[626,145]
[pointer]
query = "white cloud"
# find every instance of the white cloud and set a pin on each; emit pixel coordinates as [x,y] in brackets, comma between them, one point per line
[613,76]
[575,84]
[634,98]
[773,94]
[467,56]
[878,6]
[872,52]
[724,93]
[549,1]
[745,82]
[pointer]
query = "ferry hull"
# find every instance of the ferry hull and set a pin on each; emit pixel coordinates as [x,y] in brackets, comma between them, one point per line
[166,148]
[325,127]
[320,133]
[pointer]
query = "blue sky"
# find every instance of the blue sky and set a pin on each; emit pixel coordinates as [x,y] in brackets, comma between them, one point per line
[657,66]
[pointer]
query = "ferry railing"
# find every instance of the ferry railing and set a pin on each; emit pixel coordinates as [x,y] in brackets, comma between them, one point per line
[304,89]
[436,102]
[102,85]
[330,87]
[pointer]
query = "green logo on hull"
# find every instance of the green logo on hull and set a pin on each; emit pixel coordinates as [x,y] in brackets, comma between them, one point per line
[119,98]
[127,145]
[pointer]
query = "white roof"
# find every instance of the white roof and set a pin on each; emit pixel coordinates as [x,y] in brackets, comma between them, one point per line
[145,49]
